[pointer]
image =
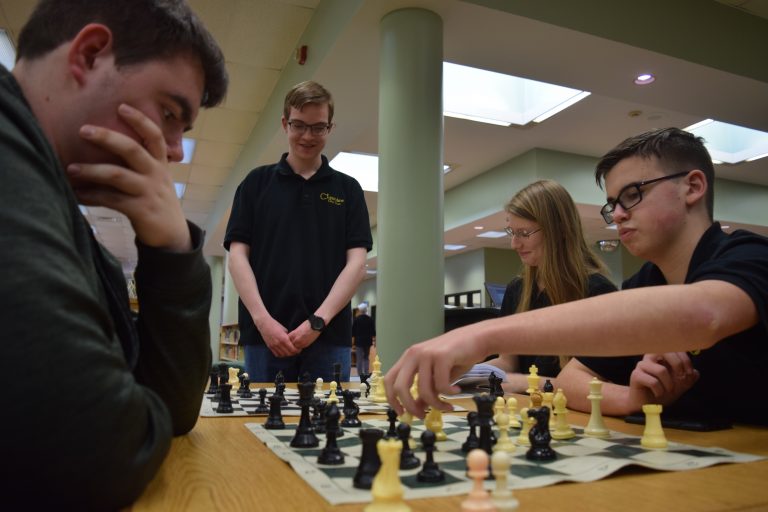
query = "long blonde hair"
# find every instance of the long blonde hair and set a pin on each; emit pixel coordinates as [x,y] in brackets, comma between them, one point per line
[567,260]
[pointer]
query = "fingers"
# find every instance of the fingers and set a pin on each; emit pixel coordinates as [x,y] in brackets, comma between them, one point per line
[149,132]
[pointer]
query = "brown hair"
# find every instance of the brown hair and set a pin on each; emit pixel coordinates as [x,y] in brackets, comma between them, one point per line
[306,93]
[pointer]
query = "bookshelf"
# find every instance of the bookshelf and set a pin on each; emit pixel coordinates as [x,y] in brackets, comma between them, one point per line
[229,350]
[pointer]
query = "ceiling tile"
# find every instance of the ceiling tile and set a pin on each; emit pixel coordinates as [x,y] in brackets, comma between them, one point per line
[226,125]
[272,28]
[205,175]
[219,154]
[180,172]
[194,206]
[249,86]
[201,219]
[201,192]
[16,13]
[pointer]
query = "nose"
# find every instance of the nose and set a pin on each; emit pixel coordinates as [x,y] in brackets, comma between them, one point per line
[514,242]
[619,214]
[175,150]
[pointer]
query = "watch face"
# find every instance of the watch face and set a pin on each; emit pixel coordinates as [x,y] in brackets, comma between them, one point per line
[317,323]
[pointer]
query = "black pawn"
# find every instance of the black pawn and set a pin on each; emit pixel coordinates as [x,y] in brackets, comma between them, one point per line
[472,441]
[370,462]
[430,472]
[214,387]
[548,387]
[318,418]
[351,409]
[225,399]
[262,408]
[241,377]
[392,430]
[331,453]
[337,377]
[305,434]
[408,459]
[246,385]
[364,381]
[280,391]
[275,418]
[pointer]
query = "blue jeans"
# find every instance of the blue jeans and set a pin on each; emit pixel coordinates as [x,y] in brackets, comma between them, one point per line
[317,360]
[362,361]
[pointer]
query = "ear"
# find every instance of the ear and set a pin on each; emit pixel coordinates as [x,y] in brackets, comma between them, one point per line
[285,123]
[91,43]
[697,187]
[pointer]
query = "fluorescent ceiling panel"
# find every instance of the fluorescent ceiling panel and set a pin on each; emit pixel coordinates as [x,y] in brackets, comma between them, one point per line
[454,247]
[492,234]
[7,52]
[180,189]
[363,167]
[490,97]
[730,143]
[188,145]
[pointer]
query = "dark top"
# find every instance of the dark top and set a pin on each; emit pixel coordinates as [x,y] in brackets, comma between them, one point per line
[732,372]
[299,232]
[548,366]
[363,330]
[92,397]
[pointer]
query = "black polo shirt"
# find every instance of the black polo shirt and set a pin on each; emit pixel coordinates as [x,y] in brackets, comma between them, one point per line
[299,232]
[733,372]
[548,366]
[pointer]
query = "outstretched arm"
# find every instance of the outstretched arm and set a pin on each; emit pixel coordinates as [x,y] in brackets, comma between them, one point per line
[661,319]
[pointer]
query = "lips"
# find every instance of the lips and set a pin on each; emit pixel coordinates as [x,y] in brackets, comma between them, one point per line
[625,233]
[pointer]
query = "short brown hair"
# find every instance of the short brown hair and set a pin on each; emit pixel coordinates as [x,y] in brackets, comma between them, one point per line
[305,93]
[143,30]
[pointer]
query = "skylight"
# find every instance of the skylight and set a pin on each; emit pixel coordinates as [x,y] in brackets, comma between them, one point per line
[730,143]
[490,97]
[363,167]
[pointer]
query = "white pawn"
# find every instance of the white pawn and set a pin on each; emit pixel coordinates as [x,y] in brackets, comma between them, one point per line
[504,443]
[434,422]
[478,498]
[502,496]
[499,407]
[319,388]
[522,439]
[596,427]
[387,489]
[333,399]
[512,408]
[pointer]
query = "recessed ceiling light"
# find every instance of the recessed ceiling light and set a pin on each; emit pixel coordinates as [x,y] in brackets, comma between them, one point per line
[479,227]
[454,247]
[644,79]
[492,234]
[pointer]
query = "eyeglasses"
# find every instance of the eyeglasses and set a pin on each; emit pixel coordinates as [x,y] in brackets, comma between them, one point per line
[631,195]
[520,233]
[316,129]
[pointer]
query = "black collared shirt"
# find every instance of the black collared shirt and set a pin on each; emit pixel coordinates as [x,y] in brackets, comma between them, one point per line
[299,231]
[732,373]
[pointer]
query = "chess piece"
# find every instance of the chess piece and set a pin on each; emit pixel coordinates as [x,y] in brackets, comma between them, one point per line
[337,377]
[245,386]
[280,392]
[331,453]
[533,379]
[653,434]
[332,398]
[501,495]
[392,430]
[262,408]
[430,471]
[232,379]
[387,490]
[503,443]
[225,399]
[494,385]
[318,416]
[408,459]
[275,418]
[214,387]
[562,429]
[380,393]
[478,498]
[319,388]
[370,462]
[522,439]
[472,441]
[512,408]
[434,422]
[498,408]
[547,396]
[365,385]
[539,436]
[596,427]
[305,433]
[351,409]
[484,403]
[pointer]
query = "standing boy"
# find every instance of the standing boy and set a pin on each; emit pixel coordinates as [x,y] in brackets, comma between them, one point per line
[297,239]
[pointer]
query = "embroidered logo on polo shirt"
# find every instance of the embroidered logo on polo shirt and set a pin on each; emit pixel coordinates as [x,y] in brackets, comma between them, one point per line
[328,198]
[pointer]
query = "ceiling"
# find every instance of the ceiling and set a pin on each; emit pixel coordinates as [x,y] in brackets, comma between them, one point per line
[260,37]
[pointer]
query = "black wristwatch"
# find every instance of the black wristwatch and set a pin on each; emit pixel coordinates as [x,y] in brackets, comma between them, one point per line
[316,323]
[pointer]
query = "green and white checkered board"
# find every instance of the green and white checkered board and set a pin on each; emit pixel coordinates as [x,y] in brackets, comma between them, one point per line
[581,459]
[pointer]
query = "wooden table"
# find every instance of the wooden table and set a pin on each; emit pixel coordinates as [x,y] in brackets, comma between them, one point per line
[221,466]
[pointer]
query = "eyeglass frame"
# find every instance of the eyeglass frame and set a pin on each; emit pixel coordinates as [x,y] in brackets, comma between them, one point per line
[605,211]
[519,233]
[317,129]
